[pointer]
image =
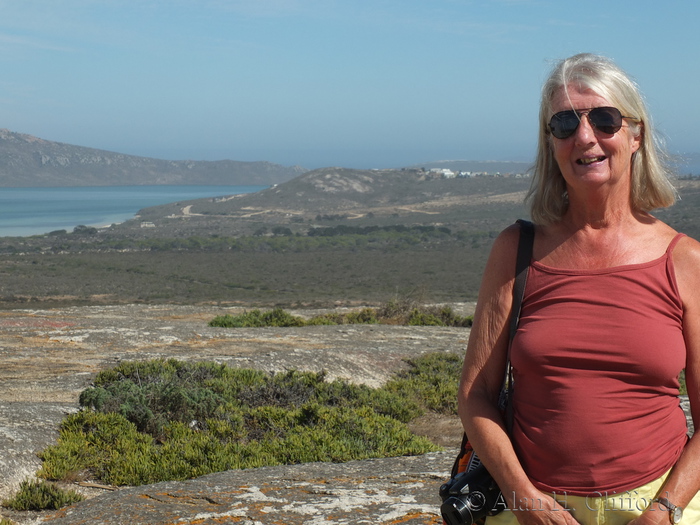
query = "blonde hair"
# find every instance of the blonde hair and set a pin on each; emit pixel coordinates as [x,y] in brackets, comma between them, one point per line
[651,185]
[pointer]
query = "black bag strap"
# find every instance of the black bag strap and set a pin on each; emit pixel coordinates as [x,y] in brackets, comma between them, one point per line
[522,265]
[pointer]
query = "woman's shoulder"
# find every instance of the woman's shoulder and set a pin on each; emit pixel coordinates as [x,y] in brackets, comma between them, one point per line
[506,243]
[501,261]
[685,254]
[656,238]
[511,234]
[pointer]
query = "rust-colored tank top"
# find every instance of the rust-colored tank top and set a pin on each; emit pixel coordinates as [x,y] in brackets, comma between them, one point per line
[596,362]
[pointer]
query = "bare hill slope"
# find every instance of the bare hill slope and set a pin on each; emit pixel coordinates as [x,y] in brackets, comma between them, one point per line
[335,196]
[27,161]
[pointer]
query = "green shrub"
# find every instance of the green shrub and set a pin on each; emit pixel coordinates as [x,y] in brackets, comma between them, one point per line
[383,401]
[431,380]
[257,319]
[169,420]
[437,316]
[41,496]
[397,311]
[418,318]
[274,436]
[278,317]
[451,319]
[409,312]
[161,369]
[342,435]
[394,312]
[152,393]
[291,389]
[326,320]
[92,442]
[364,316]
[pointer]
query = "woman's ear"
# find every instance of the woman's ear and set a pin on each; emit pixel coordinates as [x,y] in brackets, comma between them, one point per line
[637,137]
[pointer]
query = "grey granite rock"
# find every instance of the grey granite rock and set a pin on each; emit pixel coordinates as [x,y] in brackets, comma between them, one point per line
[396,490]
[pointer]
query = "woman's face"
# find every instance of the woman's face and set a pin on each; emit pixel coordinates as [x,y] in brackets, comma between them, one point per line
[590,158]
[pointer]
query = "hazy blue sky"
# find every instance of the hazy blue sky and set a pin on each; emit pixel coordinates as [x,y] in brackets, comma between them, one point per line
[356,83]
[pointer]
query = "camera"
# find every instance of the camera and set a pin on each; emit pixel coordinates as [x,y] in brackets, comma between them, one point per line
[469,497]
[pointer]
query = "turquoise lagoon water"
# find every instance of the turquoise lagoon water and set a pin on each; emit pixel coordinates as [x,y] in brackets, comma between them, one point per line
[34,211]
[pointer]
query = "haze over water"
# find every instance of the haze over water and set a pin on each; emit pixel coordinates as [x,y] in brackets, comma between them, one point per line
[35,211]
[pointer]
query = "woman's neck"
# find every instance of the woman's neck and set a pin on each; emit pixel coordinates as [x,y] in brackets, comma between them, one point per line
[598,210]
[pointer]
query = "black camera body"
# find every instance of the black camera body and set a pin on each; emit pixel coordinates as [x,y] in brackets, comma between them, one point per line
[469,497]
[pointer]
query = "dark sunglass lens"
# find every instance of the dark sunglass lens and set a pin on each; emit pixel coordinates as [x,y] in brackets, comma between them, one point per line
[607,120]
[563,124]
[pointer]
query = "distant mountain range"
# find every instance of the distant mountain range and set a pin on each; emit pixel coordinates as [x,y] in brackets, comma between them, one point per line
[27,161]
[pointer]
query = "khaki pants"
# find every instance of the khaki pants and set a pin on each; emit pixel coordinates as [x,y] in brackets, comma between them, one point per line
[610,509]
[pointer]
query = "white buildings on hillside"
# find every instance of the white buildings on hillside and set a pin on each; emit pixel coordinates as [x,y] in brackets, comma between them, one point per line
[446,173]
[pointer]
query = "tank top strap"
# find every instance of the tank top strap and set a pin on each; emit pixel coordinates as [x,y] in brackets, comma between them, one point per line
[673,242]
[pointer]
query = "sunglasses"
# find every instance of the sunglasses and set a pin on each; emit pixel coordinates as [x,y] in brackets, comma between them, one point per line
[607,120]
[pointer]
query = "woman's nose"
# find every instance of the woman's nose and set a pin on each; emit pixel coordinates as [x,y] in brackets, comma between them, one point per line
[585,133]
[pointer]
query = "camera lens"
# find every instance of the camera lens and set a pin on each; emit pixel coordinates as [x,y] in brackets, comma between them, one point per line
[469,496]
[464,510]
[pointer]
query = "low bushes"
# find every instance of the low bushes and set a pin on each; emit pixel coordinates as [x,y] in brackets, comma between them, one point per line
[257,319]
[394,312]
[40,496]
[171,420]
[431,381]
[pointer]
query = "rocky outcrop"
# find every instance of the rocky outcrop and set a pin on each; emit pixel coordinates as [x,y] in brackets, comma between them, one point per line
[394,490]
[50,356]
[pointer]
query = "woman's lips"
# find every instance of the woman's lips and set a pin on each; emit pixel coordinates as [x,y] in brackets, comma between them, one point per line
[585,161]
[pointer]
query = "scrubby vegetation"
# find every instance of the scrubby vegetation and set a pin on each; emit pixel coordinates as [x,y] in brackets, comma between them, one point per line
[276,239]
[393,312]
[270,271]
[40,495]
[431,381]
[145,422]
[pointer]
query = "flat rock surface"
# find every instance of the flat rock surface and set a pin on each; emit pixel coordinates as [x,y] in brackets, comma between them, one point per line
[49,356]
[393,490]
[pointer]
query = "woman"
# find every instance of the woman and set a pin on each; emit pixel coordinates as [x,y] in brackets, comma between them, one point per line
[610,317]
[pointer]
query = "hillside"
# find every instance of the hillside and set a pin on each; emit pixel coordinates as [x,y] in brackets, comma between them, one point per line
[339,196]
[27,161]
